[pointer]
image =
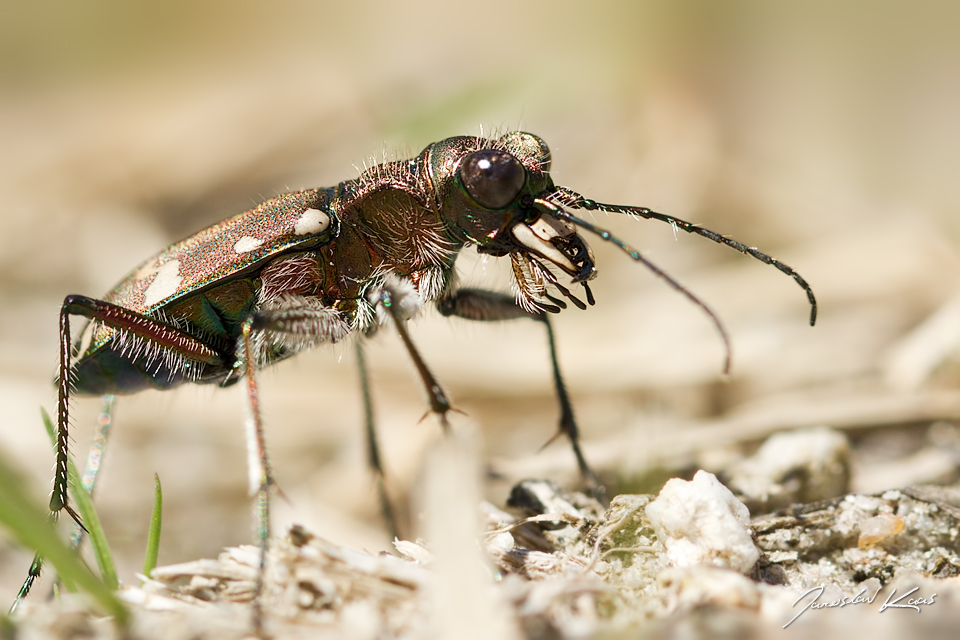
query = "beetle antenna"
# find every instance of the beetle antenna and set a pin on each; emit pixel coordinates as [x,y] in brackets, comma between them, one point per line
[576,201]
[555,211]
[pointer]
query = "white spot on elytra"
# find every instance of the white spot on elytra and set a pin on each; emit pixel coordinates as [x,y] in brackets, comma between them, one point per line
[311,221]
[247,243]
[165,284]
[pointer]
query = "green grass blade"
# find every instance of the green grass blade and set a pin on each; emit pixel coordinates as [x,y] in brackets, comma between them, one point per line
[30,526]
[156,521]
[91,521]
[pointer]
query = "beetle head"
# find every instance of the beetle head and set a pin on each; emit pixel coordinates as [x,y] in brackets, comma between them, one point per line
[492,193]
[499,195]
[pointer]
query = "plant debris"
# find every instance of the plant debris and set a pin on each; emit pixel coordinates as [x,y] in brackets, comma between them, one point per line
[560,566]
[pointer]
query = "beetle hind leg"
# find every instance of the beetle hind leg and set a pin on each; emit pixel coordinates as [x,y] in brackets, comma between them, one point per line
[261,479]
[291,321]
[158,334]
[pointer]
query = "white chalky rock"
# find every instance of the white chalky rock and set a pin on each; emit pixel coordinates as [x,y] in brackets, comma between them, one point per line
[701,522]
[806,465]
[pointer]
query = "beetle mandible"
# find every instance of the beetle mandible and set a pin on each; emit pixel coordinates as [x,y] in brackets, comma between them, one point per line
[320,265]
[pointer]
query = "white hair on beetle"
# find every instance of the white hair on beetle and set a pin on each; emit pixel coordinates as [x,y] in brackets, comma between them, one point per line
[404,298]
[299,323]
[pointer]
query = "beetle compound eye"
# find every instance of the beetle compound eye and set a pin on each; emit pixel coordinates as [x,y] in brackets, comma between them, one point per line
[492,178]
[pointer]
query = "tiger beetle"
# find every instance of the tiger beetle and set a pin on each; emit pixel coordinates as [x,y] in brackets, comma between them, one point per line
[320,265]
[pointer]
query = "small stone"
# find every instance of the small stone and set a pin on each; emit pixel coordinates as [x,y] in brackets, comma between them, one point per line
[879,528]
[806,465]
[701,522]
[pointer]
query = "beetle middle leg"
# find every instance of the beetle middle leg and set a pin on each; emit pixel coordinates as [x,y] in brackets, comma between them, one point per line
[373,448]
[398,303]
[301,317]
[305,317]
[489,306]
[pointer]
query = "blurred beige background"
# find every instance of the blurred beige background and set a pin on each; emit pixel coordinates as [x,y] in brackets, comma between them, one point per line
[826,134]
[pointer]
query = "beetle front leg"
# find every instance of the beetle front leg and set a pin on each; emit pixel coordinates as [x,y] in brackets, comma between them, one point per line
[490,306]
[393,300]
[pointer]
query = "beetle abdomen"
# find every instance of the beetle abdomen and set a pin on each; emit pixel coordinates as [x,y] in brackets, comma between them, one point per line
[127,364]
[110,371]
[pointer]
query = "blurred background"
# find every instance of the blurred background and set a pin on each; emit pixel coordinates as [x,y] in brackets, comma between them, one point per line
[825,133]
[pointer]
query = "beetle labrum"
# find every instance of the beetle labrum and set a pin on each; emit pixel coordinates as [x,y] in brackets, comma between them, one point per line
[320,265]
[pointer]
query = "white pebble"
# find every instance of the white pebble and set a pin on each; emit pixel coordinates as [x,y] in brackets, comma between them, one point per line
[701,522]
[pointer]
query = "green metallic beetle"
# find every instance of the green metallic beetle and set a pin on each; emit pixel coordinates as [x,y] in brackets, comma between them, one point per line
[319,265]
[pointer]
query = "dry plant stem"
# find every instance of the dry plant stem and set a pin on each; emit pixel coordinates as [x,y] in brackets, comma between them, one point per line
[464,606]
